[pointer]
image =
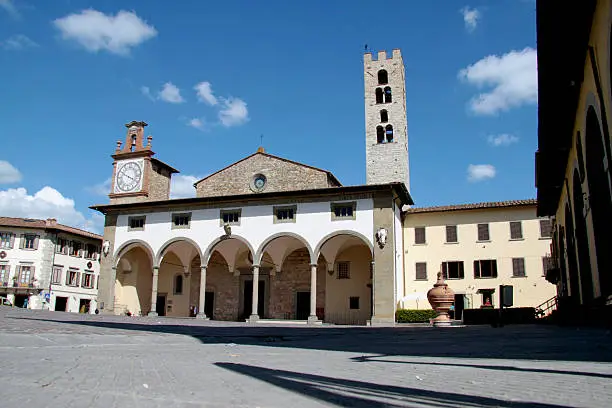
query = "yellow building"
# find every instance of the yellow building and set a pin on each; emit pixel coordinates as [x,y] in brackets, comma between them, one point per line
[477,247]
[574,157]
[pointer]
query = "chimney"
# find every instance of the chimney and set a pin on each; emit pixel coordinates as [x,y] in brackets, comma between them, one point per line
[51,222]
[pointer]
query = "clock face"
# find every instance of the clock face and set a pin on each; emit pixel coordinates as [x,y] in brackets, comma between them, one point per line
[129,176]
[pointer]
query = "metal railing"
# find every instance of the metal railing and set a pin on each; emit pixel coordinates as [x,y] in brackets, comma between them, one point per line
[546,308]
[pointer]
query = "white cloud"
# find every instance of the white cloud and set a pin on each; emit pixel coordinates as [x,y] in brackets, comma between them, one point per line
[46,203]
[97,31]
[101,189]
[480,172]
[8,173]
[18,42]
[170,93]
[513,77]
[182,186]
[502,140]
[9,7]
[205,93]
[197,123]
[146,91]
[470,18]
[234,112]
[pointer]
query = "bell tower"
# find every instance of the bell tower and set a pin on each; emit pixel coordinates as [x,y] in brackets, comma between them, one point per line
[137,175]
[385,119]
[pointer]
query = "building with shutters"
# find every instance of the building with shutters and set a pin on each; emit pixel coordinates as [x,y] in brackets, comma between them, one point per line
[46,265]
[268,238]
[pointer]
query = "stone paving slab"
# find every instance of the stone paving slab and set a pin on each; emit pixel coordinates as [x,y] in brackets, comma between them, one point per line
[60,359]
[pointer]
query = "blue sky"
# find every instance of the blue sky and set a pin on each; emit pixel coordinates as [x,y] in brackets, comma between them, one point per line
[211,77]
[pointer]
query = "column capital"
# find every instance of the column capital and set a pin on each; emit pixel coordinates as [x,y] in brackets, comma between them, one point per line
[203,267]
[256,266]
[156,267]
[314,264]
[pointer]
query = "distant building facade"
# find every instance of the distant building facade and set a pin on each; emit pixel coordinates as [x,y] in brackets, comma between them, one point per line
[46,265]
[574,157]
[478,247]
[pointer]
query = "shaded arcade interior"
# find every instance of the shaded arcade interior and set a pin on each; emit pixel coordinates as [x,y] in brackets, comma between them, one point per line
[331,282]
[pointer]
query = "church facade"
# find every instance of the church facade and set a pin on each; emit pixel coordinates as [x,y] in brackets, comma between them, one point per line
[265,237]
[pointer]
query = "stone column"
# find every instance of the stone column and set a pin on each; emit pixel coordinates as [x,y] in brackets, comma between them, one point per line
[254,316]
[313,294]
[201,314]
[153,311]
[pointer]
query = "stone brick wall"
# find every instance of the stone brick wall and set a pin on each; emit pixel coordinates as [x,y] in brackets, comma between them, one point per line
[386,162]
[281,176]
[294,277]
[226,287]
[159,183]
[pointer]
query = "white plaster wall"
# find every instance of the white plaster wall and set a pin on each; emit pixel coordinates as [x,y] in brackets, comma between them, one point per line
[313,223]
[531,290]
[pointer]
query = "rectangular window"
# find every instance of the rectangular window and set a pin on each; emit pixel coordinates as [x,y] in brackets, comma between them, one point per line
[231,217]
[91,251]
[285,214]
[419,235]
[343,270]
[87,281]
[56,276]
[75,248]
[421,271]
[181,221]
[4,272]
[29,241]
[72,278]
[6,240]
[62,246]
[343,211]
[483,232]
[547,263]
[485,268]
[545,229]
[354,302]
[518,267]
[516,230]
[25,274]
[451,233]
[136,223]
[452,270]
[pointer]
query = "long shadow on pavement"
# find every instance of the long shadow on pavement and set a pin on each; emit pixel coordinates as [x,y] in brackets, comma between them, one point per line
[530,342]
[351,393]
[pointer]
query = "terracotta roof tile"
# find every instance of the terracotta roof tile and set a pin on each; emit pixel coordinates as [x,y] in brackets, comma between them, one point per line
[474,206]
[48,224]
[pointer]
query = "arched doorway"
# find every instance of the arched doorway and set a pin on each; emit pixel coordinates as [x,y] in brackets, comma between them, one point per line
[229,279]
[582,242]
[348,286]
[133,279]
[178,278]
[287,258]
[600,201]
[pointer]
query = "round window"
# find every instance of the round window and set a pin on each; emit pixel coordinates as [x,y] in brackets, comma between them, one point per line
[259,183]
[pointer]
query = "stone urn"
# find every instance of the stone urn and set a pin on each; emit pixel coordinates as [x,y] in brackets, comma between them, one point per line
[441,298]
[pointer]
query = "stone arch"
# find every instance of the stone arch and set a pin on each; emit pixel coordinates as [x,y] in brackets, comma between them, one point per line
[584,259]
[209,250]
[160,253]
[356,234]
[262,247]
[126,246]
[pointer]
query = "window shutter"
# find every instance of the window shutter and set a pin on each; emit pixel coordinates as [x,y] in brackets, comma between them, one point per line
[78,278]
[36,241]
[32,271]
[68,277]
[65,247]
[12,241]
[476,269]
[461,275]
[444,270]
[21,241]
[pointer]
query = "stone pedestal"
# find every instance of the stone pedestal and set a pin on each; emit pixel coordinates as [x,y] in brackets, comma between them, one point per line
[202,316]
[441,298]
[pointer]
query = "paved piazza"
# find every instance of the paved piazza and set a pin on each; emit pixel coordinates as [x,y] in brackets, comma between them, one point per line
[52,359]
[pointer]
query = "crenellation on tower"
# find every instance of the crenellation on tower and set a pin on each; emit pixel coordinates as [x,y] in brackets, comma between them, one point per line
[385,119]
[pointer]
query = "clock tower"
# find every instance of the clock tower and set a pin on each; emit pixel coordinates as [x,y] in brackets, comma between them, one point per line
[137,175]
